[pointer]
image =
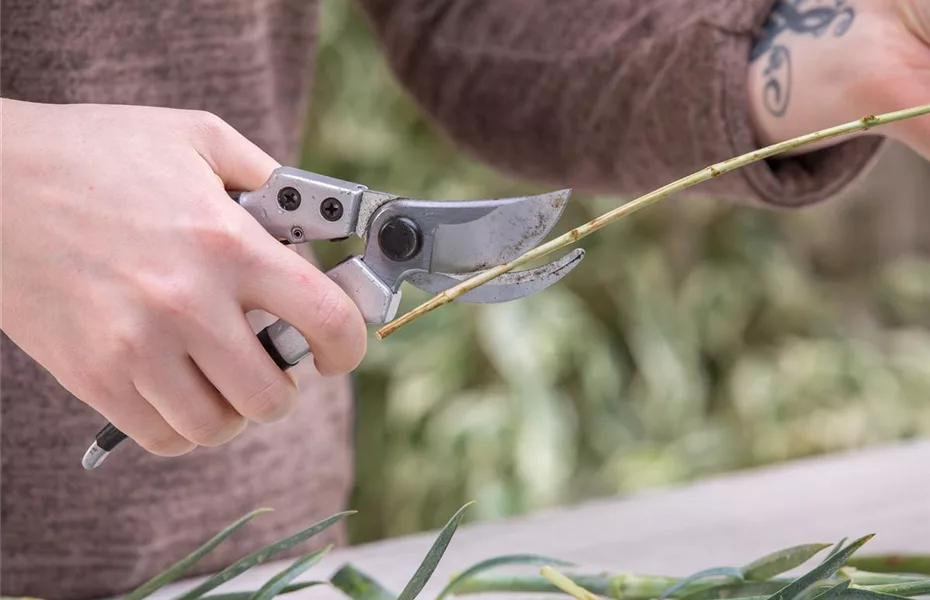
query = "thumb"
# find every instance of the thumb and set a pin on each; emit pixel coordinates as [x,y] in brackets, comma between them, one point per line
[239,163]
[916,17]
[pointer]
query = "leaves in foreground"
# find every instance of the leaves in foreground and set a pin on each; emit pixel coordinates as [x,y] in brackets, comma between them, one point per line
[782,561]
[500,561]
[277,583]
[179,568]
[839,576]
[295,587]
[260,556]
[826,569]
[918,564]
[359,586]
[729,572]
[432,558]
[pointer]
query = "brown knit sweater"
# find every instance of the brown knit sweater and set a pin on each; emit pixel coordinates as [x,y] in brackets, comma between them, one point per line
[602,95]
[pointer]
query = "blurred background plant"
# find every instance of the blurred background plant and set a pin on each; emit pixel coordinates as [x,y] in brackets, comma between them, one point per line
[697,336]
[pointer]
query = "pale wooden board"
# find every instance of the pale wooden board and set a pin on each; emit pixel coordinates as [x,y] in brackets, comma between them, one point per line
[721,521]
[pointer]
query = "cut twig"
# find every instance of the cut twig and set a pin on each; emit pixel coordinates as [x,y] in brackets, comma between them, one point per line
[567,585]
[715,170]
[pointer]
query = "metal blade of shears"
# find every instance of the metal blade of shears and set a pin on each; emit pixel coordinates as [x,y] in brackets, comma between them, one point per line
[509,286]
[465,236]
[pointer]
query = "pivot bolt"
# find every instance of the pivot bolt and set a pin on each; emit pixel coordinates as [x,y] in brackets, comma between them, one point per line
[297,234]
[331,209]
[288,198]
[400,239]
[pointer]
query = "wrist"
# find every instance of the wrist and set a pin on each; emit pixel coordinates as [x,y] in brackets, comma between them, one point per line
[807,68]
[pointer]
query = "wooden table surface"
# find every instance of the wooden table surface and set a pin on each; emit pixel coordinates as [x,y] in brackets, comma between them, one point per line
[725,520]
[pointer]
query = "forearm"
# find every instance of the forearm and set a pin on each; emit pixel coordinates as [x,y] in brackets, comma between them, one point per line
[606,96]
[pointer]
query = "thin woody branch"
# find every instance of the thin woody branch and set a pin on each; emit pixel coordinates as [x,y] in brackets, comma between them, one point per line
[715,170]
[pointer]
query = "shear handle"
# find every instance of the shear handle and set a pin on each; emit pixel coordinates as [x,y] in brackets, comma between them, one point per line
[283,343]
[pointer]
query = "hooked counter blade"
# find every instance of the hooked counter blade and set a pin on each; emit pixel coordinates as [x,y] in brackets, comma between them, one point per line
[509,286]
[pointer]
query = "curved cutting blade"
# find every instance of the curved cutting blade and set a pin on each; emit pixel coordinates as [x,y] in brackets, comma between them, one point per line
[509,286]
[509,229]
[467,236]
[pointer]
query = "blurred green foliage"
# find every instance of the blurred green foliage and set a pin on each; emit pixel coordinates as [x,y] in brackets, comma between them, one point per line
[696,337]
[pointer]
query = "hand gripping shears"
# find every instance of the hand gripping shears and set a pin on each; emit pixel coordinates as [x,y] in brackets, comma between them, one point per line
[433,245]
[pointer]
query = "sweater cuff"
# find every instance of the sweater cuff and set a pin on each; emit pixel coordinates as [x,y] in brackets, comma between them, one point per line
[782,182]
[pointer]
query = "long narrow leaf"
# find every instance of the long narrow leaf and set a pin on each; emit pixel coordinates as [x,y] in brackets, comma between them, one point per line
[918,564]
[826,569]
[294,587]
[836,590]
[736,590]
[602,585]
[869,579]
[359,586]
[500,561]
[778,562]
[277,583]
[731,572]
[179,568]
[836,548]
[867,594]
[911,588]
[259,556]
[432,558]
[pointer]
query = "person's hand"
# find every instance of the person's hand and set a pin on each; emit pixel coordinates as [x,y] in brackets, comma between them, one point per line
[128,271]
[821,63]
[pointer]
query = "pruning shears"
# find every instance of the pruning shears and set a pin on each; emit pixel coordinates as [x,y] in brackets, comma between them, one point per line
[433,245]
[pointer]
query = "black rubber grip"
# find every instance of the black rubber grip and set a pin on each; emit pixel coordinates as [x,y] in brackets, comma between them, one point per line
[265,338]
[109,437]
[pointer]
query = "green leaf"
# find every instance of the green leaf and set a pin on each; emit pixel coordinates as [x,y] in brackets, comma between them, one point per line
[867,594]
[526,583]
[500,561]
[359,586]
[835,549]
[869,579]
[825,569]
[778,562]
[277,583]
[892,563]
[736,590]
[836,590]
[731,572]
[179,568]
[247,595]
[910,588]
[432,558]
[261,555]
[630,587]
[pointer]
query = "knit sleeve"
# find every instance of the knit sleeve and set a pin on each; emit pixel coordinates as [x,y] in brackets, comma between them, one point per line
[606,96]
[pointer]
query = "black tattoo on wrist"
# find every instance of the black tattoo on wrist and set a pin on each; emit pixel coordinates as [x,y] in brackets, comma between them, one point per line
[801,17]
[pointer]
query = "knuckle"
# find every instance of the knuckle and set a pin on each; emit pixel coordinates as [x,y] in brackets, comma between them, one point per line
[272,402]
[219,238]
[126,341]
[208,127]
[215,431]
[174,298]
